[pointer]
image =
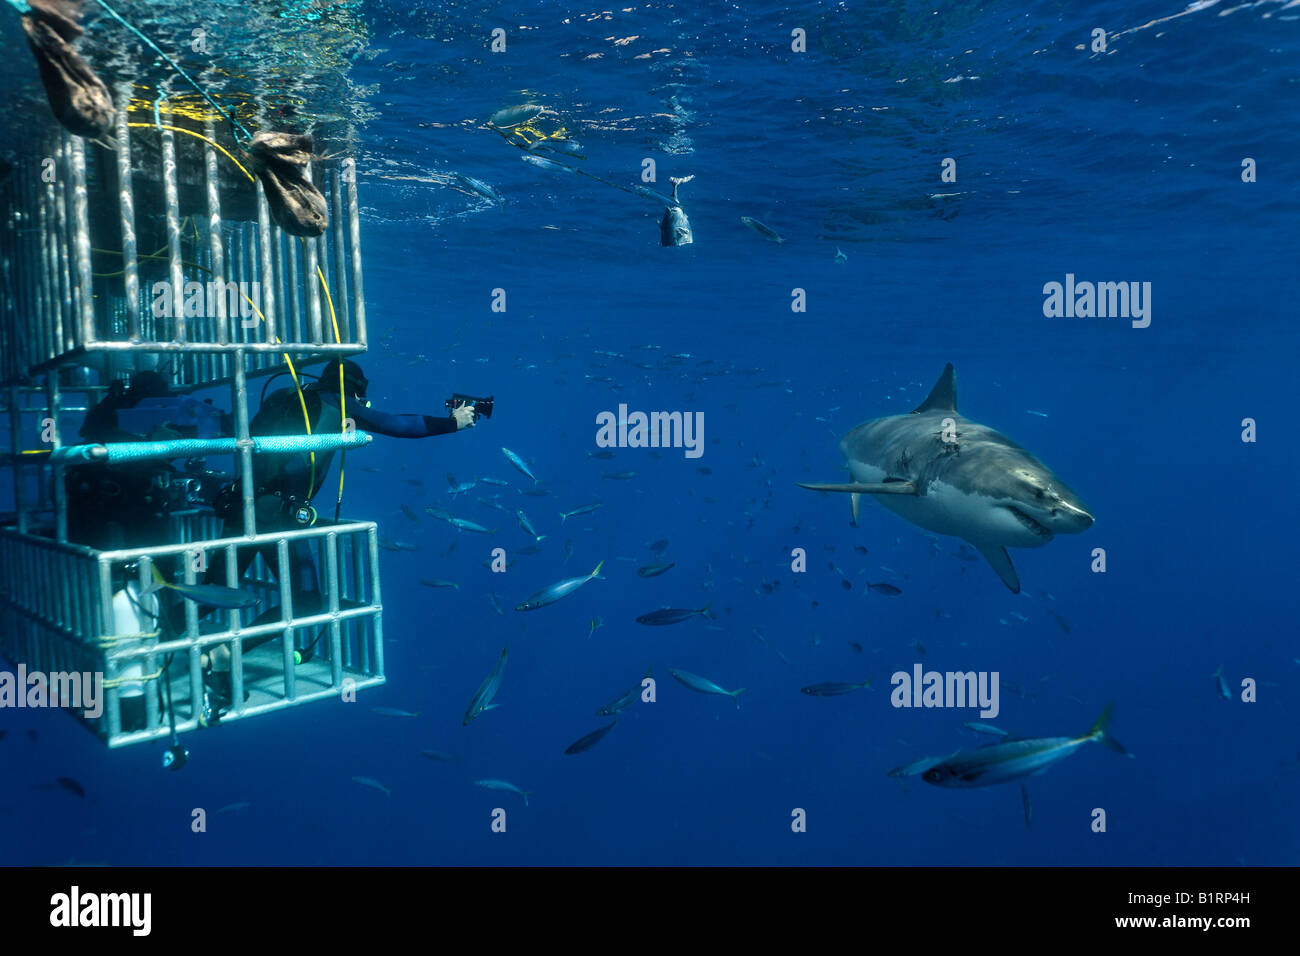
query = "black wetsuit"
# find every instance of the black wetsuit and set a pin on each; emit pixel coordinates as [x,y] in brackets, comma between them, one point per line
[281,414]
[116,506]
[284,483]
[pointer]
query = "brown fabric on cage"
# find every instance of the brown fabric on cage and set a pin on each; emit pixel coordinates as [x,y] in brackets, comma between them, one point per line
[281,161]
[78,97]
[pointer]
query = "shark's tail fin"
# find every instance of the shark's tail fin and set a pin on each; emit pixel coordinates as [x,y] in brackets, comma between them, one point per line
[735,695]
[1099,733]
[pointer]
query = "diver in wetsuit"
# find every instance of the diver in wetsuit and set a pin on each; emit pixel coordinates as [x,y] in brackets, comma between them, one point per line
[286,484]
[117,506]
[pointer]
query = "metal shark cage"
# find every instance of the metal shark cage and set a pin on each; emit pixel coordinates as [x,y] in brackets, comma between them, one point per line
[104,255]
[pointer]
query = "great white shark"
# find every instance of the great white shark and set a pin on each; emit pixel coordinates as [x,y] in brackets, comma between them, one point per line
[953,476]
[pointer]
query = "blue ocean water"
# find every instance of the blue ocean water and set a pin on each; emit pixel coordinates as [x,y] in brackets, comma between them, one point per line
[1123,165]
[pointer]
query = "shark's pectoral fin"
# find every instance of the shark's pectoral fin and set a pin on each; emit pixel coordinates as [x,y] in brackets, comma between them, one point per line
[864,488]
[1001,561]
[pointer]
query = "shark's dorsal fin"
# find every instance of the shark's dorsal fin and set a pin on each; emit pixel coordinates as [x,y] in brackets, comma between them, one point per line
[943,397]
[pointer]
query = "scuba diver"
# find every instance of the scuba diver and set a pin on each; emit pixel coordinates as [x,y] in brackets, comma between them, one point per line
[285,486]
[117,506]
[134,504]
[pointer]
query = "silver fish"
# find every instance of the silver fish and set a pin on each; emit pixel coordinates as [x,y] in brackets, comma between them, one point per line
[590,740]
[1222,685]
[767,232]
[1014,759]
[209,595]
[390,545]
[459,487]
[549,595]
[503,785]
[654,570]
[464,524]
[543,163]
[487,690]
[618,704]
[373,785]
[512,116]
[920,766]
[833,688]
[584,510]
[570,146]
[439,583]
[674,615]
[704,686]
[675,228]
[393,712]
[477,186]
[527,525]
[983,728]
[518,463]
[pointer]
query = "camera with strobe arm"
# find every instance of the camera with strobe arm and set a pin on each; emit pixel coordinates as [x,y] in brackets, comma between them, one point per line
[480,406]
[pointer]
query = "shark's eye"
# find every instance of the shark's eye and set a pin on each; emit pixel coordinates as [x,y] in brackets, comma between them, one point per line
[1039,493]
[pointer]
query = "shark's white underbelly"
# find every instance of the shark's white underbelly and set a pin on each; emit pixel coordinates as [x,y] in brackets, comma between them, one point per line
[946,509]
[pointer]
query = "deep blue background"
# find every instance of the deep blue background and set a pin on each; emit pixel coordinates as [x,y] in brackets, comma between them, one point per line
[1124,166]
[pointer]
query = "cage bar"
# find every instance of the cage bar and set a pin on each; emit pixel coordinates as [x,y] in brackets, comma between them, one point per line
[136,256]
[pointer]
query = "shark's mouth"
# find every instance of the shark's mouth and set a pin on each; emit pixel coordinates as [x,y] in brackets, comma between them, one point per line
[1030,523]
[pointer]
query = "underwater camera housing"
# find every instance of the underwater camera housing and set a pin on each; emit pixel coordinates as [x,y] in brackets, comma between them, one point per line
[186,492]
[481,406]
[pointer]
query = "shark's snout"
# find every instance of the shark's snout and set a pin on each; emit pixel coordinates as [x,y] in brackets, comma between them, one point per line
[1072,518]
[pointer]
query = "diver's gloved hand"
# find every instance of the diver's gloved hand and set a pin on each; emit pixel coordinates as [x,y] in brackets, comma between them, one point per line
[465,417]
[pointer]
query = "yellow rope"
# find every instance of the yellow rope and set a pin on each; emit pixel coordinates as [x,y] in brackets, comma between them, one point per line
[119,681]
[190,132]
[293,373]
[107,642]
[306,417]
[338,340]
